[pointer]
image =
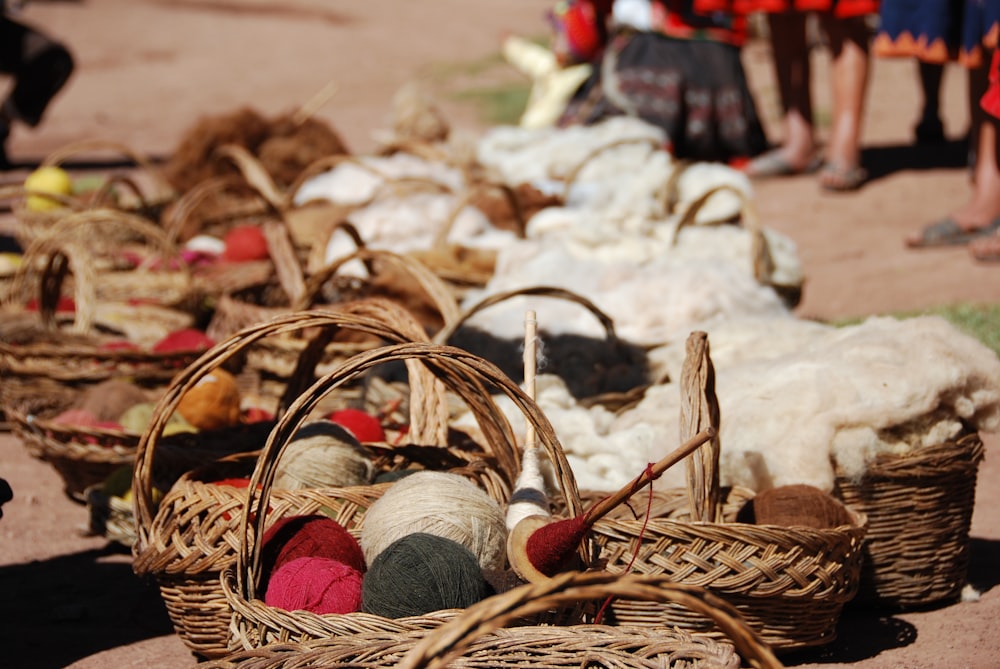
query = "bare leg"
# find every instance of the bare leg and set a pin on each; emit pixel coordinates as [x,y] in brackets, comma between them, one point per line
[790,56]
[983,205]
[984,202]
[849,40]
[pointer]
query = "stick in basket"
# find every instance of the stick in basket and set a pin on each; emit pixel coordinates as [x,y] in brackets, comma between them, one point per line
[537,548]
[528,498]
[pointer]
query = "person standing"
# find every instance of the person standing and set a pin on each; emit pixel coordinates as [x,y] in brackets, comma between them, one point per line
[963,32]
[40,67]
[675,64]
[845,25]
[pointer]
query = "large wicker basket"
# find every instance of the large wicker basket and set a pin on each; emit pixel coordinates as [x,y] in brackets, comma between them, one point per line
[255,623]
[919,509]
[193,534]
[492,634]
[789,583]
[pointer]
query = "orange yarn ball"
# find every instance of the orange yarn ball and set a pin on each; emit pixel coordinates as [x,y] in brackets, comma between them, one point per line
[213,403]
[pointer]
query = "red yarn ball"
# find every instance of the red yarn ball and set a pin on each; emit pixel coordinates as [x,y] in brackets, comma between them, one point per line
[308,536]
[315,584]
[185,339]
[363,426]
[245,242]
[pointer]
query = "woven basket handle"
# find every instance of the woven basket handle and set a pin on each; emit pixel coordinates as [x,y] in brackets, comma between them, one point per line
[255,174]
[364,321]
[452,326]
[441,238]
[760,250]
[574,173]
[178,219]
[445,643]
[56,257]
[61,155]
[433,286]
[469,376]
[700,410]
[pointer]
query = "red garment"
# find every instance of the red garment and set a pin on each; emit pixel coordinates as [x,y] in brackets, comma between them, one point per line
[841,8]
[991,99]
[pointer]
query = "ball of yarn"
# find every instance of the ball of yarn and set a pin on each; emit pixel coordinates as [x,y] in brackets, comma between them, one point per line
[796,505]
[108,400]
[185,339]
[439,503]
[421,573]
[137,418]
[323,454]
[315,584]
[213,403]
[308,536]
[362,425]
[245,242]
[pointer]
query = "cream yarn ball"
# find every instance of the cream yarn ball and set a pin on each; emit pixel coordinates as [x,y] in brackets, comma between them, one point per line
[323,454]
[439,503]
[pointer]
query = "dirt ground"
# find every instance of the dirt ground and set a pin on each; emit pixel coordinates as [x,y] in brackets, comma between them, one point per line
[147,69]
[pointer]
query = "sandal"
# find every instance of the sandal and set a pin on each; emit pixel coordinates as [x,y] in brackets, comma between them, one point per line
[774,164]
[986,249]
[839,179]
[947,232]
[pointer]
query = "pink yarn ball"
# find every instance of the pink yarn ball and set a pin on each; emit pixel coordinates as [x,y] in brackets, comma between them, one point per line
[315,584]
[313,535]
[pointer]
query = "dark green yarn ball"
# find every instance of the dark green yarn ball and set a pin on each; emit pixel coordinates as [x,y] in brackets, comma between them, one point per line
[420,573]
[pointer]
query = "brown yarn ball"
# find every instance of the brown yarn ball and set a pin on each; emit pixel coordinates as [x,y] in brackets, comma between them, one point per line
[797,505]
[108,400]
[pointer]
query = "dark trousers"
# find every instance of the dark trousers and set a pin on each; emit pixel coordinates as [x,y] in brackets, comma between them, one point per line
[39,65]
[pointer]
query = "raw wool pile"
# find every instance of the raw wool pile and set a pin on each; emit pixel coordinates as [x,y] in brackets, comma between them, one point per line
[614,242]
[817,402]
[403,221]
[830,406]
[648,302]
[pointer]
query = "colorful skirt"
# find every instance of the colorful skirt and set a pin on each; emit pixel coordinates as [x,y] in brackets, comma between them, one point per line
[840,8]
[938,31]
[695,90]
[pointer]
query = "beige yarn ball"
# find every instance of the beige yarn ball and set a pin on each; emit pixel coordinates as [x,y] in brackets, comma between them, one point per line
[323,454]
[439,503]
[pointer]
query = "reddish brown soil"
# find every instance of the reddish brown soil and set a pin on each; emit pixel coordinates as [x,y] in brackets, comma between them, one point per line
[147,70]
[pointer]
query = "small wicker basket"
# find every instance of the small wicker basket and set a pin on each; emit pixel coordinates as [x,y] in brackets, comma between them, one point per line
[919,509]
[789,583]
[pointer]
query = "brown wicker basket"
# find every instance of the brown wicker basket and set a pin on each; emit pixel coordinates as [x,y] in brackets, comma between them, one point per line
[919,509]
[194,533]
[34,225]
[47,363]
[492,634]
[790,583]
[257,624]
[276,357]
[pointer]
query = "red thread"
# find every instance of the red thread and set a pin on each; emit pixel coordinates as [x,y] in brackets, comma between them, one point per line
[635,551]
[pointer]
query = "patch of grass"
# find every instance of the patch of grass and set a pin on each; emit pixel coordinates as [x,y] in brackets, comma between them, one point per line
[500,105]
[981,321]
